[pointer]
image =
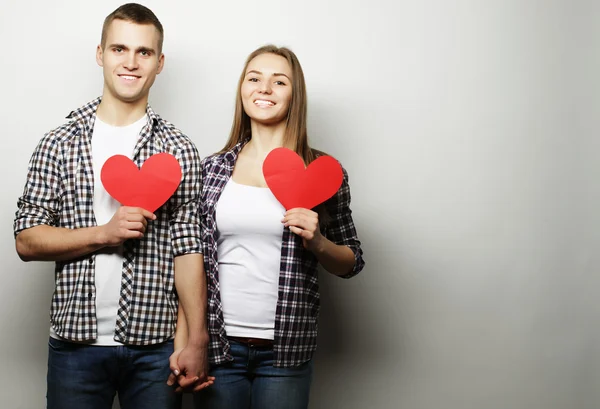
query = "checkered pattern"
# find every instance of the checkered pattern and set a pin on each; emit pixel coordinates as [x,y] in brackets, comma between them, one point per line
[59,192]
[298,300]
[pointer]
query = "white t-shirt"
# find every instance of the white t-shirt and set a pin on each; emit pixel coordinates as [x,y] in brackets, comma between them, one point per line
[107,141]
[250,234]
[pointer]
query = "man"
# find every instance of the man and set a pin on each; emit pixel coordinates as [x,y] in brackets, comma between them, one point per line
[115,303]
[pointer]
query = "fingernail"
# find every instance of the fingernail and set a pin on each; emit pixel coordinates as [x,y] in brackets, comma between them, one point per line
[176,372]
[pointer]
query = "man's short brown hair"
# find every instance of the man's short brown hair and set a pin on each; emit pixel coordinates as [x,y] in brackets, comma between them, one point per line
[135,13]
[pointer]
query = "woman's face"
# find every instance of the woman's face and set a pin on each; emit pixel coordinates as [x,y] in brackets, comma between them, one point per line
[267,89]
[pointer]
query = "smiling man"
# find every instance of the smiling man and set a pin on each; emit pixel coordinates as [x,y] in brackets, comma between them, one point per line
[123,274]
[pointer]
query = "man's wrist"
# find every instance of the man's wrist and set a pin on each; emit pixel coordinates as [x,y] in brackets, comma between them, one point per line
[99,236]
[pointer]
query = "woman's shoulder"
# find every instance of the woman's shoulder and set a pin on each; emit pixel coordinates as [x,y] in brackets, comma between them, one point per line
[317,154]
[212,160]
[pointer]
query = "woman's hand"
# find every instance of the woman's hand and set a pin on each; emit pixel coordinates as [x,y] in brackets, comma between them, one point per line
[305,223]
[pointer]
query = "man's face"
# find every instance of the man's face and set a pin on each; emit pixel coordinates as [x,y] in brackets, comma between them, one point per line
[130,60]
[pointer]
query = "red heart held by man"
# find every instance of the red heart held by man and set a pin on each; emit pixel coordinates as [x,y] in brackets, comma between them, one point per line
[296,186]
[149,187]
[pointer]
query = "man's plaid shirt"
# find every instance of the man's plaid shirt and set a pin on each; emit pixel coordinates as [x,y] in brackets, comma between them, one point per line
[59,192]
[298,299]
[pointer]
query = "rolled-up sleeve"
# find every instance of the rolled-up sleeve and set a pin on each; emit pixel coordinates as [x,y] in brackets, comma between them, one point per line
[341,229]
[40,202]
[184,222]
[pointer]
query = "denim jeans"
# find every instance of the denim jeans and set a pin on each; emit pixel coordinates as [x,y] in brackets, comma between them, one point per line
[251,382]
[87,377]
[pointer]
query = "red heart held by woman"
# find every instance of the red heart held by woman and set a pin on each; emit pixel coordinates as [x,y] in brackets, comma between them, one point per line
[149,187]
[296,186]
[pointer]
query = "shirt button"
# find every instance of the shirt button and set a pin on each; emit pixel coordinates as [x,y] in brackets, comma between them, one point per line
[89,295]
[91,261]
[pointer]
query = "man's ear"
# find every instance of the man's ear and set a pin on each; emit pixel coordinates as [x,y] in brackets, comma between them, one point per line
[161,63]
[99,54]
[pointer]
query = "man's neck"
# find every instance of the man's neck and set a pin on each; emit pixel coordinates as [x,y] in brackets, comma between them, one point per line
[118,113]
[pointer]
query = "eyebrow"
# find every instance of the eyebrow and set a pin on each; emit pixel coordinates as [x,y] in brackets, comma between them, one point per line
[139,49]
[276,74]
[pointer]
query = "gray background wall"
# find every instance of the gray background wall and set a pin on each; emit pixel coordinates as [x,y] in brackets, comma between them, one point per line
[468,130]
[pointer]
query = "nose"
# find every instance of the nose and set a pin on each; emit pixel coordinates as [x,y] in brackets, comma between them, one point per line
[265,87]
[131,62]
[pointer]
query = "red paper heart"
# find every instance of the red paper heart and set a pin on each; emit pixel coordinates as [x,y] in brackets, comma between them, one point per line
[294,186]
[149,187]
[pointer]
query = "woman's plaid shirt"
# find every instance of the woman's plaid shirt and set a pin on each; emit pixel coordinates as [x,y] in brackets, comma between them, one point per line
[298,301]
[59,192]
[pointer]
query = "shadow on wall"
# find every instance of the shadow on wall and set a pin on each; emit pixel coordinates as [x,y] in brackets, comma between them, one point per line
[362,331]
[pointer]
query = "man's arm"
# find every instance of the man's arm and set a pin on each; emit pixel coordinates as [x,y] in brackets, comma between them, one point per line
[190,361]
[48,243]
[37,234]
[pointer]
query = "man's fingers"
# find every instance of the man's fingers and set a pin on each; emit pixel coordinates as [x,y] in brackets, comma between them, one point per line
[147,214]
[143,212]
[187,382]
[133,234]
[202,386]
[136,226]
[137,218]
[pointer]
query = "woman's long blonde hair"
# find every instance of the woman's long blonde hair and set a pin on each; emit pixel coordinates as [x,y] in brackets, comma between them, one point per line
[295,130]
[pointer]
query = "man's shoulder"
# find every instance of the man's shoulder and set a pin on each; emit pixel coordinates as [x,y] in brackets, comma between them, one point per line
[60,135]
[71,125]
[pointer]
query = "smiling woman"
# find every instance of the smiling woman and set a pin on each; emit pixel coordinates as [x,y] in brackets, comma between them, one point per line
[261,260]
[267,88]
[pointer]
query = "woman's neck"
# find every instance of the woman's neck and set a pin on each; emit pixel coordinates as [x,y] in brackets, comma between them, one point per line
[265,138]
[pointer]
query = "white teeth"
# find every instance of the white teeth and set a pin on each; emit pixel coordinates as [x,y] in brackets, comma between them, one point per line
[263,103]
[128,77]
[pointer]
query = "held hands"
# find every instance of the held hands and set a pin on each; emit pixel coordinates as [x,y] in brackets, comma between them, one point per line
[305,223]
[127,223]
[189,369]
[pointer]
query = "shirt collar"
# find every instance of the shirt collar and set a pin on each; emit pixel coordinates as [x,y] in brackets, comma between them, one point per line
[88,110]
[231,155]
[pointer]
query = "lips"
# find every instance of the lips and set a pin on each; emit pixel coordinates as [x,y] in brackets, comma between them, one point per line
[128,77]
[263,103]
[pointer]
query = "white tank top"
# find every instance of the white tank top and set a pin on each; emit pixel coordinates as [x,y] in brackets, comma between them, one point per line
[250,234]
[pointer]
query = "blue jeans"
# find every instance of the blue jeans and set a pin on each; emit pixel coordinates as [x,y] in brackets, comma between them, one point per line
[251,382]
[87,377]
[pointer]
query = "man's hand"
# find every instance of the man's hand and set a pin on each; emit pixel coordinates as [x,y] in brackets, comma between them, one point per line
[189,368]
[126,223]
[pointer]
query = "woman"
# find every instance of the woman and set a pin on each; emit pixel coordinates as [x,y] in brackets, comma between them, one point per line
[261,261]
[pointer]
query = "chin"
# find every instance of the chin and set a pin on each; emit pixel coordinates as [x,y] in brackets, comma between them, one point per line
[129,97]
[267,119]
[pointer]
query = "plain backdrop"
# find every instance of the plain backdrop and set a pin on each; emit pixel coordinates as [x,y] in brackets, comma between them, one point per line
[469,131]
